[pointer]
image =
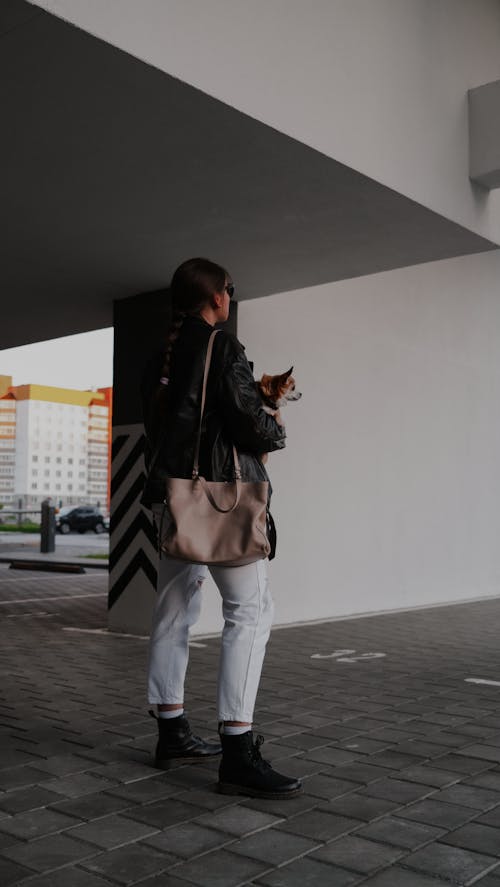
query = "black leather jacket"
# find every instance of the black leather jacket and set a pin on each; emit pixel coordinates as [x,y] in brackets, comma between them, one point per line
[233,413]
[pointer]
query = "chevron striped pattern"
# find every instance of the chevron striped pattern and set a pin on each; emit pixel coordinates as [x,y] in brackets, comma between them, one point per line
[133,554]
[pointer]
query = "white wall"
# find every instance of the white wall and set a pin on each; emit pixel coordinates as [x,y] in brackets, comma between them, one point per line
[388,493]
[380,85]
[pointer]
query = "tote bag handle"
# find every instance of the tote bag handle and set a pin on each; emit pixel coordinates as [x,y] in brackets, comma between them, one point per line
[196,462]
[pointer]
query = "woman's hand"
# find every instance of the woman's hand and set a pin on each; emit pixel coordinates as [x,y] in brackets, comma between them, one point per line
[278,418]
[264,457]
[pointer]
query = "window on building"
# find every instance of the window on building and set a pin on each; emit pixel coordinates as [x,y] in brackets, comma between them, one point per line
[58,460]
[47,458]
[34,472]
[58,486]
[34,486]
[34,458]
[70,461]
[46,486]
[70,486]
[58,474]
[70,474]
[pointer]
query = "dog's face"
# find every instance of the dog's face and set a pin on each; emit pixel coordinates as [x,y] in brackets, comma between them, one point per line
[279,389]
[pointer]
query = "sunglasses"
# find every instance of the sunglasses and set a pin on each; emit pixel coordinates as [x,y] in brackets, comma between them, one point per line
[229,288]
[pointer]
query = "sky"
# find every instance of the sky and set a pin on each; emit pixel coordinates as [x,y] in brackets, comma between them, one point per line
[84,361]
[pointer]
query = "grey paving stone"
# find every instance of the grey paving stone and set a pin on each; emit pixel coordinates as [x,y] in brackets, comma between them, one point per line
[322,786]
[273,846]
[483,752]
[475,836]
[91,806]
[398,877]
[111,831]
[490,818]
[163,813]
[395,760]
[437,813]
[397,790]
[125,771]
[329,754]
[35,823]
[450,862]
[490,779]
[7,840]
[492,880]
[307,872]
[283,809]
[364,773]
[469,796]
[365,745]
[144,790]
[460,764]
[238,820]
[77,784]
[320,825]
[63,765]
[11,873]
[129,864]
[358,854]
[430,775]
[18,777]
[303,741]
[49,852]
[69,876]
[220,869]
[400,832]
[359,806]
[207,798]
[188,839]
[164,880]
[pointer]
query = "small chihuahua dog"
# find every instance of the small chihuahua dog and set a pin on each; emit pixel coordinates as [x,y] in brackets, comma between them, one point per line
[276,391]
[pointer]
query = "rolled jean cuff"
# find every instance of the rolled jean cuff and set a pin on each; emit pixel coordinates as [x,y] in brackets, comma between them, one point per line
[244,718]
[157,701]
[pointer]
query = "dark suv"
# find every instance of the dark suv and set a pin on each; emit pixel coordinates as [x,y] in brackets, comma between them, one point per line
[81,518]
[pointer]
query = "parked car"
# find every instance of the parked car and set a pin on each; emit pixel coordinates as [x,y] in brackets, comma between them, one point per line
[80,518]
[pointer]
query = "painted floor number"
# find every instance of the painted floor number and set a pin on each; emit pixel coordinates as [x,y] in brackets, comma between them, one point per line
[348,656]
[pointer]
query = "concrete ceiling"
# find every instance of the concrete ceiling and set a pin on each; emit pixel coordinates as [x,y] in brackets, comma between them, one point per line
[114,172]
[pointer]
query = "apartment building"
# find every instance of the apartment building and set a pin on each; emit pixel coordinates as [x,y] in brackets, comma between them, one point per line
[54,442]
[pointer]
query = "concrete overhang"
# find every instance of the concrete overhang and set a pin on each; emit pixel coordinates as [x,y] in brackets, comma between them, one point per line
[484,135]
[114,172]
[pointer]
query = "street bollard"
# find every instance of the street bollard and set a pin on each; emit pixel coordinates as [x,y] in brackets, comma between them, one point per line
[48,529]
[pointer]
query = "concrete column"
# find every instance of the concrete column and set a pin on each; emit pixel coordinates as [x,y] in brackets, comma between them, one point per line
[484,135]
[140,325]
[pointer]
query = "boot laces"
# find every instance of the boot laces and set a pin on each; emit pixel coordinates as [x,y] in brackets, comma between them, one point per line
[256,755]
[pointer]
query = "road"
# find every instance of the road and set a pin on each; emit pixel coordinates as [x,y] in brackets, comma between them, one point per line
[70,545]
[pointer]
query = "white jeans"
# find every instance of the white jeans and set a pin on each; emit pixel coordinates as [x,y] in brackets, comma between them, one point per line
[248,609]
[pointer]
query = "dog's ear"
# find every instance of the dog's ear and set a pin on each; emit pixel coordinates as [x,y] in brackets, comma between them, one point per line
[288,373]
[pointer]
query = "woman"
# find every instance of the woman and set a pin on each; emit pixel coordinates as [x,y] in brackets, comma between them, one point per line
[201,293]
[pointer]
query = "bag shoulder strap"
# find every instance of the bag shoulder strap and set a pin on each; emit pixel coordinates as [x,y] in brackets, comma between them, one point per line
[196,462]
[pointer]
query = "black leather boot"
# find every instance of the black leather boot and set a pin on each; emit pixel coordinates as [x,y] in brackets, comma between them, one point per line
[177,743]
[243,771]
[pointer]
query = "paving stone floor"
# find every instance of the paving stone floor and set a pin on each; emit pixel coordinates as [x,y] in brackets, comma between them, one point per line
[399,755]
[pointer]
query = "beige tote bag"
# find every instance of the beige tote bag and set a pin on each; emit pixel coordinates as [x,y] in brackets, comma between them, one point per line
[214,522]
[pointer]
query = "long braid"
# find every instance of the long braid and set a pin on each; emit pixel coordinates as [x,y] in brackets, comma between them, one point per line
[173,335]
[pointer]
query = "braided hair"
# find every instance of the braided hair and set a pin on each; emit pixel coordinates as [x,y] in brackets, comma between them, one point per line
[193,286]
